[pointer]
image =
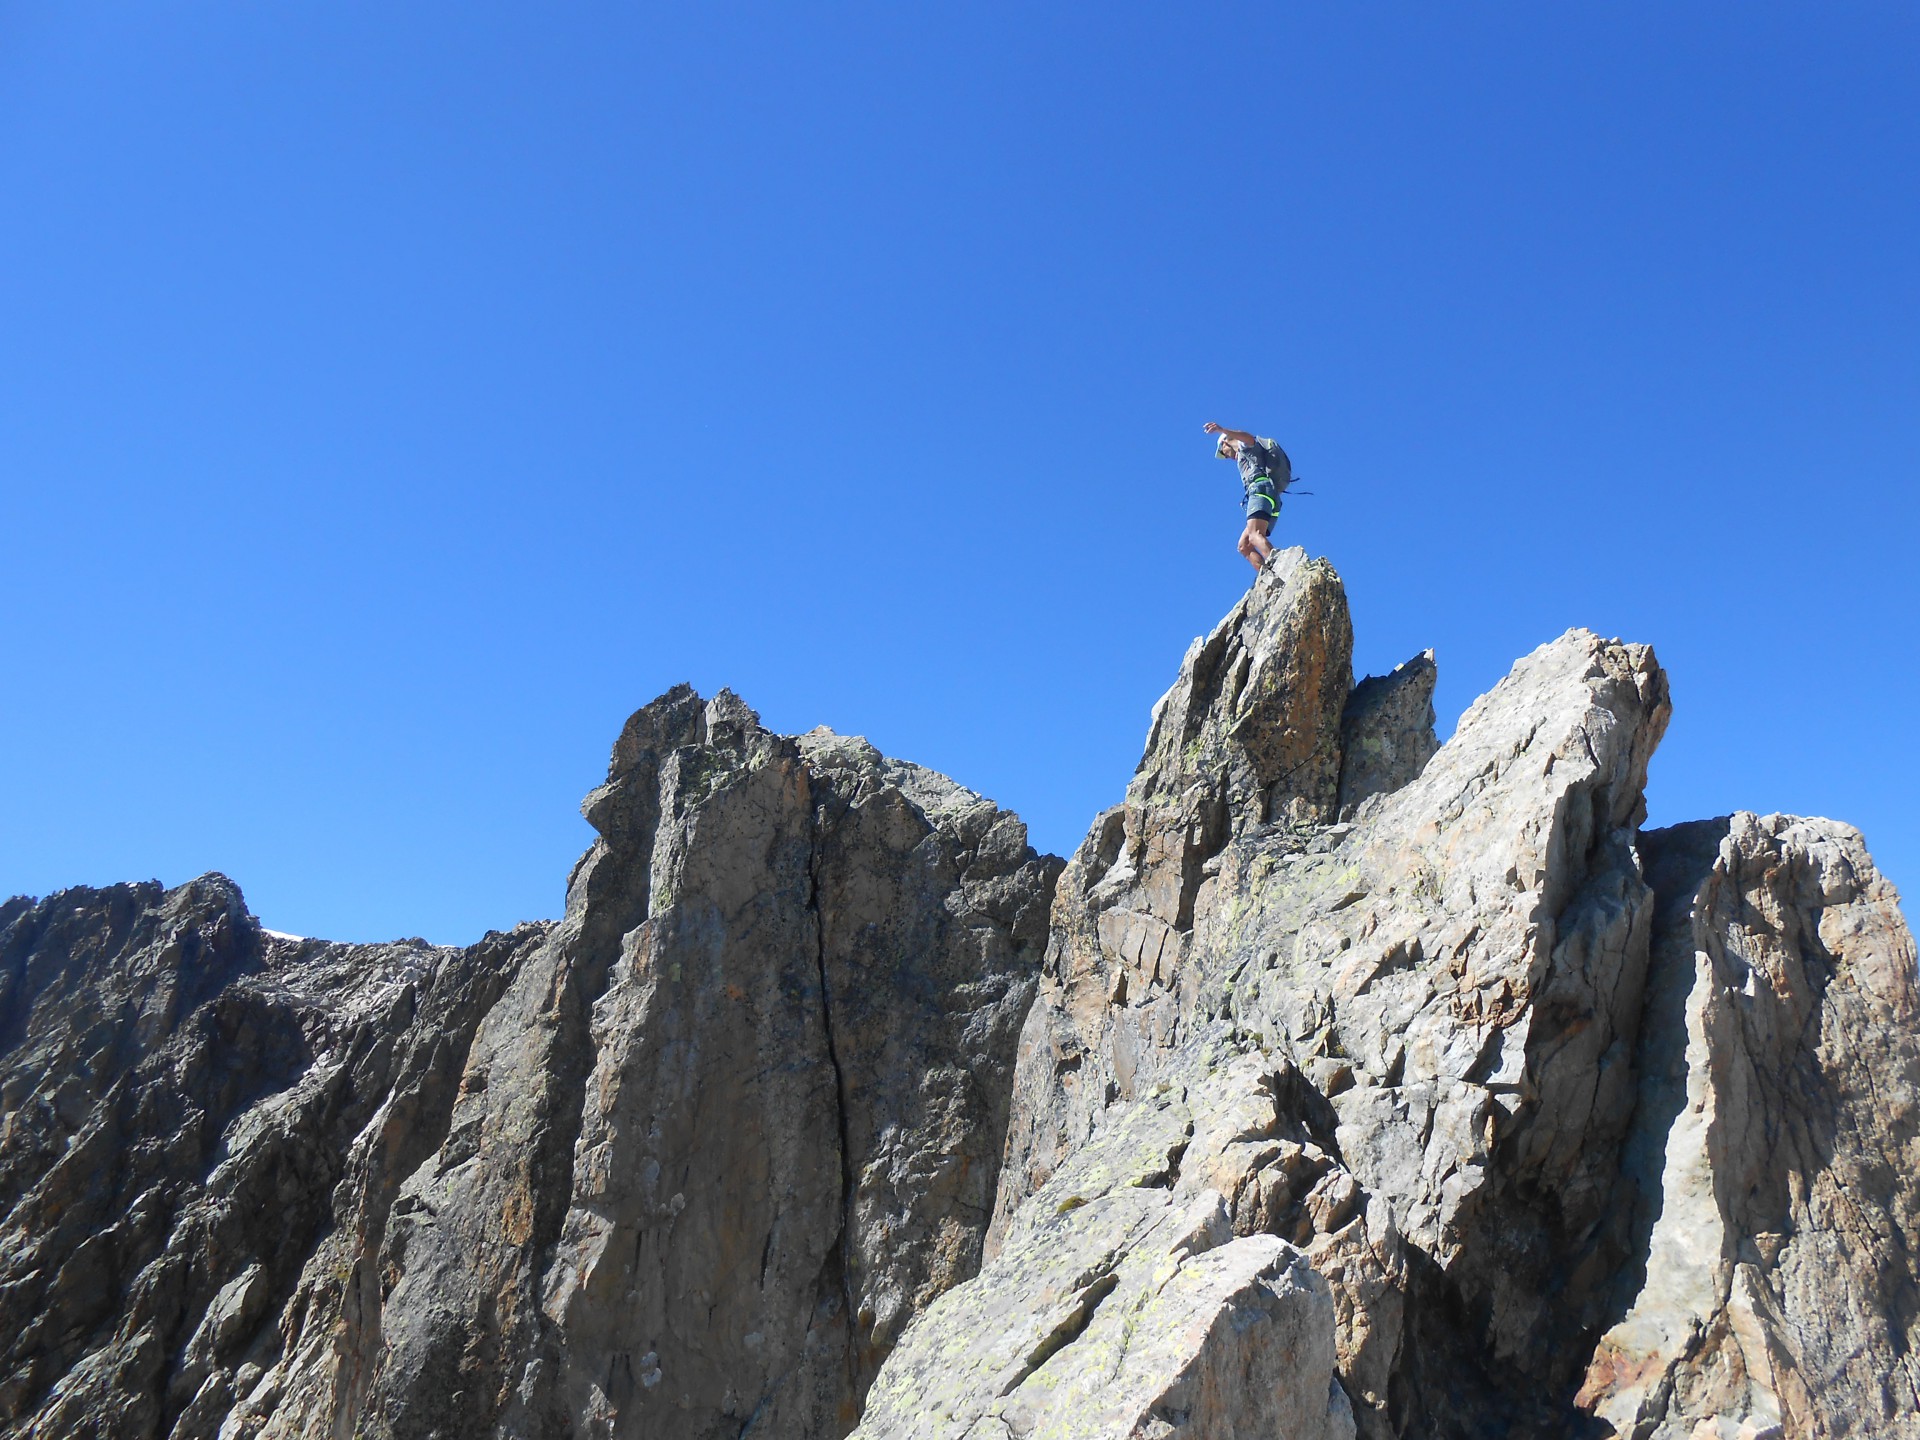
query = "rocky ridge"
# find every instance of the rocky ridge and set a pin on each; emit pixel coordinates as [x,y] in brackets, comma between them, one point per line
[682,1164]
[1342,1083]
[1588,1130]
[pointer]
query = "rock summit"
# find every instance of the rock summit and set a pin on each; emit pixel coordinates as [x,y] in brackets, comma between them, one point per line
[1341,1084]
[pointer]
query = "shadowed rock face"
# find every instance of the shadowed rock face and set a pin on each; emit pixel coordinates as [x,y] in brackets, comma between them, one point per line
[1386,732]
[205,1129]
[1342,1085]
[682,1165]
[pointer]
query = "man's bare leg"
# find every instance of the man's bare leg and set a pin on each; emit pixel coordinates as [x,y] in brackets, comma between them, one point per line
[1254,543]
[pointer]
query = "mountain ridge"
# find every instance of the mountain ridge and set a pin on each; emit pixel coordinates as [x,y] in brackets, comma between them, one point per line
[1341,1082]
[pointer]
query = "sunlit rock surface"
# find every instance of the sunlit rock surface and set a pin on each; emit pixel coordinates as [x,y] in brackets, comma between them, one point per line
[1589,1131]
[1342,1083]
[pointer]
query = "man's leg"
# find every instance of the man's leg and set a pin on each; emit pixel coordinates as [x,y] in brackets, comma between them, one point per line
[1263,537]
[1253,540]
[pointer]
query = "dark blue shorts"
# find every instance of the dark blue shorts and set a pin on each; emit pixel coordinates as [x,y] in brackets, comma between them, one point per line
[1262,502]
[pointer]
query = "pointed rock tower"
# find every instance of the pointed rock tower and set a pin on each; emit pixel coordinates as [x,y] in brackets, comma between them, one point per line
[1342,1084]
[1553,1127]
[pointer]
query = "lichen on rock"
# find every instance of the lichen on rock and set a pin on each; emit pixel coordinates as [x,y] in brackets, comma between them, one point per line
[1455,998]
[1341,1084]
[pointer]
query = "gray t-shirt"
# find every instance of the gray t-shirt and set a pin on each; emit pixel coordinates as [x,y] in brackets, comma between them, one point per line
[1264,458]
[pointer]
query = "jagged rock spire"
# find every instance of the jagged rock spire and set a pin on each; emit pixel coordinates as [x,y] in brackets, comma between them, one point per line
[1370,1088]
[1581,1126]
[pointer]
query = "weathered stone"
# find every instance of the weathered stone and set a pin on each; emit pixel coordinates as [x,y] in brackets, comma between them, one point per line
[1369,1088]
[1122,1302]
[1443,999]
[191,1106]
[682,1165]
[1386,732]
[1511,1110]
[1774,1155]
[1247,740]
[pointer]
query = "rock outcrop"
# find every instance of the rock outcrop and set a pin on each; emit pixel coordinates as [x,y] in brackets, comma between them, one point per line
[1773,1158]
[1386,732]
[681,1165]
[205,1130]
[1588,1131]
[1122,1302]
[1342,1084]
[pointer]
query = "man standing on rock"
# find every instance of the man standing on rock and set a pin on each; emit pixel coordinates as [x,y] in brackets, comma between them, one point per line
[1266,473]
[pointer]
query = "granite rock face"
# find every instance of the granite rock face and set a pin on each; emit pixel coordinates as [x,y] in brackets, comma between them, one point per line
[1772,1162]
[1122,1302]
[1247,741]
[1386,732]
[205,1130]
[681,1165]
[1342,1084]
[1588,1131]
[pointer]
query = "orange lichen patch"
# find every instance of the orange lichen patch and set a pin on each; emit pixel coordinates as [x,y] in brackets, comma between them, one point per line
[1612,1369]
[516,1215]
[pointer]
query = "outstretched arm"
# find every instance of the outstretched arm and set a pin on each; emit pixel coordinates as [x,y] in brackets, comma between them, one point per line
[1244,437]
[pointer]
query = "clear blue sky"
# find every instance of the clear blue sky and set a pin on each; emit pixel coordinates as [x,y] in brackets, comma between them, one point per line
[393,397]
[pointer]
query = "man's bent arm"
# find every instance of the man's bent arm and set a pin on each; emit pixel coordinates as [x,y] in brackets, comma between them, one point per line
[1212,428]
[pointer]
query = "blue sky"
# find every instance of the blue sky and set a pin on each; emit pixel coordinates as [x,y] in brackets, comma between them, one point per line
[392,398]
